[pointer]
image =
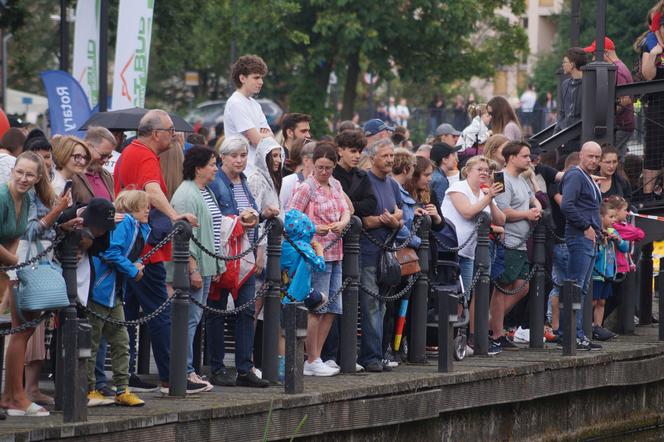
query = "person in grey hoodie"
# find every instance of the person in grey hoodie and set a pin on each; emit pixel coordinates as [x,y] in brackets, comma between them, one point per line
[571,99]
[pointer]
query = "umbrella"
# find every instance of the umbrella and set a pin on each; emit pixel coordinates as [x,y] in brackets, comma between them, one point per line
[401,321]
[128,119]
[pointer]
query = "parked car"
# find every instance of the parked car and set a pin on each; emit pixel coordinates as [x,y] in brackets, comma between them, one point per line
[209,113]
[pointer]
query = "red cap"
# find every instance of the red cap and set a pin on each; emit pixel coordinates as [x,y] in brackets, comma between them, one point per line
[608,46]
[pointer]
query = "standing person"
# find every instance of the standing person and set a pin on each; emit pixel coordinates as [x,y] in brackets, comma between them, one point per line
[624,118]
[95,182]
[571,102]
[403,113]
[376,130]
[460,115]
[11,146]
[29,172]
[446,133]
[444,158]
[294,127]
[194,196]
[437,113]
[302,165]
[580,206]
[493,150]
[232,192]
[392,111]
[387,216]
[521,208]
[503,119]
[71,156]
[322,199]
[242,114]
[139,168]
[615,182]
[171,163]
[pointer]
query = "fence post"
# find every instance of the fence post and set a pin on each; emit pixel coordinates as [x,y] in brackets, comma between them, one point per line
[627,291]
[180,311]
[351,269]
[660,289]
[295,319]
[448,300]
[71,394]
[143,353]
[272,303]
[588,310]
[645,299]
[482,260]
[537,292]
[417,338]
[569,302]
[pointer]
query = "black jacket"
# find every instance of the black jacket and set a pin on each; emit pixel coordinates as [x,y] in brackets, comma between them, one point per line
[357,186]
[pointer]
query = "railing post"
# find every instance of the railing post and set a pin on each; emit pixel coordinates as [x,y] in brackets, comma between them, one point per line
[660,289]
[71,394]
[448,300]
[570,294]
[482,288]
[295,319]
[351,269]
[143,354]
[180,311]
[588,310]
[537,292]
[272,303]
[627,292]
[645,299]
[417,338]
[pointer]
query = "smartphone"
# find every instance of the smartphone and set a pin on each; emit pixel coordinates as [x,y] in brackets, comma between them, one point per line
[499,177]
[68,185]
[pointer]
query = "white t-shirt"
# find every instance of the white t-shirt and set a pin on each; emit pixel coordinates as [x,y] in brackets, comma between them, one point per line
[402,115]
[463,227]
[288,186]
[110,164]
[58,183]
[528,100]
[241,114]
[83,275]
[6,165]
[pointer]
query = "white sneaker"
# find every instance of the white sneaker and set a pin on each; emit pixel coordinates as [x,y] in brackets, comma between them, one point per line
[330,363]
[469,350]
[318,368]
[195,378]
[521,336]
[358,368]
[258,373]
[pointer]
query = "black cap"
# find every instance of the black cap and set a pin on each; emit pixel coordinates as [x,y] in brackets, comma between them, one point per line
[99,213]
[441,150]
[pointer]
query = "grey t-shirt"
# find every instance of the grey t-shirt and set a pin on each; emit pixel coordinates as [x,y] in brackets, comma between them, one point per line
[517,196]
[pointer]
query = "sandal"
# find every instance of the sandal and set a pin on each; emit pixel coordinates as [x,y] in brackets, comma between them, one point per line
[33,410]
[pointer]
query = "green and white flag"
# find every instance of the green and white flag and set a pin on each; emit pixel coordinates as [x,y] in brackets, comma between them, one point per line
[86,48]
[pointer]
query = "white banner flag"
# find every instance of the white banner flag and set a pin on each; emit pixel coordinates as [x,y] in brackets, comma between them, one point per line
[86,48]
[132,53]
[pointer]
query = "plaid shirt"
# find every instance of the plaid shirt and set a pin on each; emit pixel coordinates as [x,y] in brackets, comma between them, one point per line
[324,205]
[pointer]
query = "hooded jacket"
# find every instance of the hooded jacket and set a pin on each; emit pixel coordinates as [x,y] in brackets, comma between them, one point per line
[259,180]
[299,263]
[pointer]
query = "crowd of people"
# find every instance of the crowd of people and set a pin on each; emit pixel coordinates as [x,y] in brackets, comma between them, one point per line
[228,188]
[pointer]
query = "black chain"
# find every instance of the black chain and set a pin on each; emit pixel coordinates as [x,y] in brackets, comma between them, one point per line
[26,325]
[252,248]
[411,282]
[521,243]
[58,239]
[134,322]
[469,290]
[337,238]
[215,311]
[472,236]
[520,288]
[161,243]
[554,235]
[395,247]
[332,298]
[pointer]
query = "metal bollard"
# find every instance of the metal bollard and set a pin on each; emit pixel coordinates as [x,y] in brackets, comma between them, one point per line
[295,318]
[143,354]
[645,299]
[417,338]
[660,288]
[482,260]
[71,365]
[272,304]
[627,292]
[351,269]
[180,311]
[537,290]
[570,303]
[448,301]
[587,301]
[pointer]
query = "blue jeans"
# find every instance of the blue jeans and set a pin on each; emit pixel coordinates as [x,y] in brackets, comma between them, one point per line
[467,266]
[244,330]
[580,268]
[150,292]
[558,273]
[195,314]
[100,374]
[372,312]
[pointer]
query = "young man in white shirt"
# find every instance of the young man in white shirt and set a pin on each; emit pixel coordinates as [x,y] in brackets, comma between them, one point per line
[242,114]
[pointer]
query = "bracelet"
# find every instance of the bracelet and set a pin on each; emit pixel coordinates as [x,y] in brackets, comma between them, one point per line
[193,271]
[43,224]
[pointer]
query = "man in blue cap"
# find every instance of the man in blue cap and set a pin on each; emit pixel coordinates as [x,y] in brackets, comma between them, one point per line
[376,129]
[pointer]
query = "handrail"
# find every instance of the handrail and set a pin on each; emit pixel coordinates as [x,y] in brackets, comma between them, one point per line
[559,138]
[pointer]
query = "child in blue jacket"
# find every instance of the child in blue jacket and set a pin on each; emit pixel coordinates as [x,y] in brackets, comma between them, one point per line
[112,268]
[605,269]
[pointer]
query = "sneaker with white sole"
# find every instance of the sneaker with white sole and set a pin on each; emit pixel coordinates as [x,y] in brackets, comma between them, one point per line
[318,368]
[196,379]
[332,364]
[358,368]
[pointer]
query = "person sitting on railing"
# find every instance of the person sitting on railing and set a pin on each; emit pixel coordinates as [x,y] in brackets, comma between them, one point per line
[464,201]
[29,172]
[521,208]
[323,200]
[615,181]
[234,197]
[112,267]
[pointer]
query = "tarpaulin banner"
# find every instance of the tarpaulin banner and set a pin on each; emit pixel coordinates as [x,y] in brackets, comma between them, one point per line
[68,106]
[132,53]
[86,48]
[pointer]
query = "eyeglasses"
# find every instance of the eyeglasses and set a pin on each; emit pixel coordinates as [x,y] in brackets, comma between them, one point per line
[78,158]
[27,175]
[170,130]
[324,168]
[103,156]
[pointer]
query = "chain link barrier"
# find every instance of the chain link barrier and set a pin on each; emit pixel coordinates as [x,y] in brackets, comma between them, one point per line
[417,221]
[470,238]
[411,282]
[252,247]
[161,243]
[333,297]
[469,290]
[521,243]
[134,322]
[26,325]
[262,290]
[35,259]
[522,286]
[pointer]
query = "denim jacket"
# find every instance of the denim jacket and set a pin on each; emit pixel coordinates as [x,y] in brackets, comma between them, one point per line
[409,205]
[222,188]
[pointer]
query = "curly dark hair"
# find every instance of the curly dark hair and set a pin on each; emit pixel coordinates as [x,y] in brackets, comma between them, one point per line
[247,65]
[351,139]
[196,156]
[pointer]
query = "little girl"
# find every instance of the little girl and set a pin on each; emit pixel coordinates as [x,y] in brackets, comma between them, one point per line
[605,269]
[627,231]
[475,135]
[112,267]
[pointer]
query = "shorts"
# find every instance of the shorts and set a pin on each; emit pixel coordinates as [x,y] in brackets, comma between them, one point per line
[516,266]
[329,282]
[602,290]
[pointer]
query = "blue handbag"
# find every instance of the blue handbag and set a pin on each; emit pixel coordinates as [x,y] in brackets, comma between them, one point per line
[41,286]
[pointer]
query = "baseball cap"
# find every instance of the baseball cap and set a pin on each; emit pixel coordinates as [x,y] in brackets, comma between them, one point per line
[608,45]
[441,150]
[447,129]
[99,213]
[372,127]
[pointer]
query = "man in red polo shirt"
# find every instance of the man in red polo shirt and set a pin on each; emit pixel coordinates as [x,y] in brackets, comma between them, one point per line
[138,168]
